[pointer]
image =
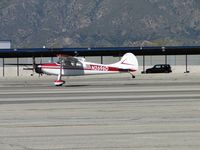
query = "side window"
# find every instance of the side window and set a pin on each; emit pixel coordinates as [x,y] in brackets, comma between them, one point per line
[67,63]
[75,63]
[79,64]
[71,63]
[166,66]
[157,66]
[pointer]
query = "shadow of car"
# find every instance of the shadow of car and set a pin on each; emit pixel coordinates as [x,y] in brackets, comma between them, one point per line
[160,68]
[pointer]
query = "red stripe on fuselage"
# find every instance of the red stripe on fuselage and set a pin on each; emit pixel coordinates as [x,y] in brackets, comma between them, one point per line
[50,65]
[91,67]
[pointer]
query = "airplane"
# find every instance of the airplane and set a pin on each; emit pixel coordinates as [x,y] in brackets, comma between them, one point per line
[77,66]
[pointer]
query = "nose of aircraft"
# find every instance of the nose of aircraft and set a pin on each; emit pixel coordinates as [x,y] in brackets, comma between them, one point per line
[38,69]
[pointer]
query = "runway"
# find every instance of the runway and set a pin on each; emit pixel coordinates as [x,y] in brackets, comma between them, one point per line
[108,112]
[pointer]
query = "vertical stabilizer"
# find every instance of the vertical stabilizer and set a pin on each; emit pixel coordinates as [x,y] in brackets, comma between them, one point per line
[128,61]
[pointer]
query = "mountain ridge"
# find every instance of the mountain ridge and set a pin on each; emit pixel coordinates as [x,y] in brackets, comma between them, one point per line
[76,23]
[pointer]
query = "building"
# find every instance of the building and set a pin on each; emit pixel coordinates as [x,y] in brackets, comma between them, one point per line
[5,44]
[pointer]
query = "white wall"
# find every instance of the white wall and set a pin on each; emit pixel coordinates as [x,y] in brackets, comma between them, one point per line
[5,44]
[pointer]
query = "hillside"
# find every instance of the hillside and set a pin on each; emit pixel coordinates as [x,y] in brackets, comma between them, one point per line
[71,23]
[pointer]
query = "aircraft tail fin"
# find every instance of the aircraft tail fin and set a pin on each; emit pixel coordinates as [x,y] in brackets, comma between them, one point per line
[128,61]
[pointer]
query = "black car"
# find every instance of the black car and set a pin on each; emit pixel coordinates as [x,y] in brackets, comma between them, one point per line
[160,68]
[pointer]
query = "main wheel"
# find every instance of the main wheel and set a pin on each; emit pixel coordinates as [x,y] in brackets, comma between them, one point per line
[147,71]
[59,82]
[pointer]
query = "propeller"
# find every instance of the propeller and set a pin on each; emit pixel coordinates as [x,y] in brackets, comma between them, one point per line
[38,68]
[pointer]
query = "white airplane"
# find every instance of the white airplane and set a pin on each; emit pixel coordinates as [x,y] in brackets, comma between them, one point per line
[74,66]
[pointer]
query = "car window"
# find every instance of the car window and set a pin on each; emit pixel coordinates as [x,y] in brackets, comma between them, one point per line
[157,66]
[167,66]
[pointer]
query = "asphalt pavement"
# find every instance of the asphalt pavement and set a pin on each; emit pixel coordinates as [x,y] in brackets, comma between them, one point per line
[151,112]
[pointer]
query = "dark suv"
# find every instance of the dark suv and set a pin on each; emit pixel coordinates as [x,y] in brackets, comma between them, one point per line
[160,68]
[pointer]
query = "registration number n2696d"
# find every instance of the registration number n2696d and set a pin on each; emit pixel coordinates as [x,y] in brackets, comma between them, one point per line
[99,68]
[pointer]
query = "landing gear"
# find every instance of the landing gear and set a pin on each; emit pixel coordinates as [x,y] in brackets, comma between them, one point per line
[133,76]
[59,81]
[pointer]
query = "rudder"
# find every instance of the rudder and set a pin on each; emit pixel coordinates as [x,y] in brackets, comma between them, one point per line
[129,60]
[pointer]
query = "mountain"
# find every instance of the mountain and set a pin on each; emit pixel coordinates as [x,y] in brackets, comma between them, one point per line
[72,23]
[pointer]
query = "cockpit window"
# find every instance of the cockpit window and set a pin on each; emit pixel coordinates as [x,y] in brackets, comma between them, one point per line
[70,62]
